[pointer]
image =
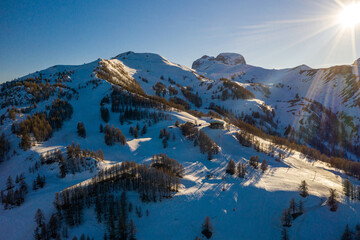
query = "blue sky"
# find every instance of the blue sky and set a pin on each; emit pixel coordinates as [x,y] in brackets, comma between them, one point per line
[274,34]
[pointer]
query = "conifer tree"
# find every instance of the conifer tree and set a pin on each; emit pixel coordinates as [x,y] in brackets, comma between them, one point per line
[231,167]
[348,189]
[357,232]
[144,130]
[264,166]
[105,114]
[81,130]
[207,228]
[241,170]
[286,218]
[303,189]
[9,183]
[332,202]
[165,143]
[347,235]
[25,143]
[23,186]
[254,161]
[292,206]
[132,230]
[53,226]
[301,207]
[136,132]
[40,231]
[284,234]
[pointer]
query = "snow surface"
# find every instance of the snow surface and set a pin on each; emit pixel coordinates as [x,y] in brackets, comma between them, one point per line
[249,208]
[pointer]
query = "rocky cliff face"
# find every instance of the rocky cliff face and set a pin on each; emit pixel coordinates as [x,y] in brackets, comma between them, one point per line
[222,58]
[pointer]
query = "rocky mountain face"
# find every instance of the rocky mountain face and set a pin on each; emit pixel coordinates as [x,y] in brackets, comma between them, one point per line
[224,58]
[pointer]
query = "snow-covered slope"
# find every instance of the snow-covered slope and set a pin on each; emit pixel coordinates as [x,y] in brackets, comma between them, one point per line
[288,91]
[237,207]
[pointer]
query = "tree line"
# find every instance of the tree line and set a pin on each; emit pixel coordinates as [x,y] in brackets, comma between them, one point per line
[37,89]
[41,125]
[75,160]
[152,184]
[206,144]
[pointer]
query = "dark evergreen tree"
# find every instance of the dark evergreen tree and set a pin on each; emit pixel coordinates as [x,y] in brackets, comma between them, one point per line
[303,189]
[144,130]
[357,232]
[40,231]
[241,170]
[348,189]
[264,166]
[136,132]
[164,143]
[207,229]
[81,130]
[9,183]
[301,207]
[292,206]
[98,209]
[53,226]
[284,234]
[113,135]
[286,218]
[254,161]
[105,114]
[25,142]
[332,201]
[23,186]
[132,230]
[231,167]
[347,235]
[4,146]
[82,237]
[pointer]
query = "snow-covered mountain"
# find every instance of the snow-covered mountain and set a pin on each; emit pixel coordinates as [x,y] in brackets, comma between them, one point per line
[302,98]
[220,110]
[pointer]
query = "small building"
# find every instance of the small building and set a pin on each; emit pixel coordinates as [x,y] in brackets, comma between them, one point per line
[217,124]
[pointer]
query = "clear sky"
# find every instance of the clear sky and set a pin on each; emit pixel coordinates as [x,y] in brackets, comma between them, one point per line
[269,33]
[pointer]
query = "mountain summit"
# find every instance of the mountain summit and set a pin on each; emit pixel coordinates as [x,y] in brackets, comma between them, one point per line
[222,58]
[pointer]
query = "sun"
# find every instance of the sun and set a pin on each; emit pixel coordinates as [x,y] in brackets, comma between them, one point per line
[350,15]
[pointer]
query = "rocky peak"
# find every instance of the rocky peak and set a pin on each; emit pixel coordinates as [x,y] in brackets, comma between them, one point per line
[223,58]
[357,62]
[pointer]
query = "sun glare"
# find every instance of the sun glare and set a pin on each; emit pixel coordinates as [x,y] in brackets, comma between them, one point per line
[350,15]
